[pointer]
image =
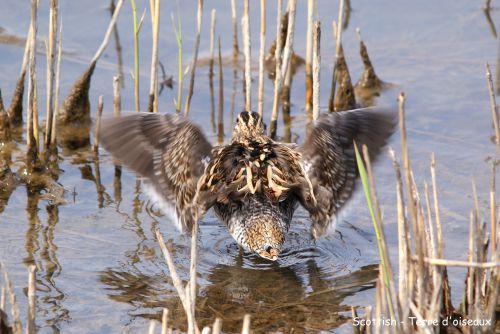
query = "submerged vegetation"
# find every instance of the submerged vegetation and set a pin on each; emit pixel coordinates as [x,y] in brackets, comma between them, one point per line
[420,290]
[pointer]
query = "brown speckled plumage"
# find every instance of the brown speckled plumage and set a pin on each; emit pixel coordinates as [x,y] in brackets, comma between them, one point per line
[253,183]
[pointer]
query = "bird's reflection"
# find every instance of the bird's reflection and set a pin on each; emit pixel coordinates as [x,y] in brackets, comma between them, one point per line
[280,297]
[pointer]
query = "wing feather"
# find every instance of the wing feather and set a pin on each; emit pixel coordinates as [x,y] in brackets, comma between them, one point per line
[329,160]
[169,151]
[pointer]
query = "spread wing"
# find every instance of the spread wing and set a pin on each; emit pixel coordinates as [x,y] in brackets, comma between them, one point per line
[169,151]
[329,160]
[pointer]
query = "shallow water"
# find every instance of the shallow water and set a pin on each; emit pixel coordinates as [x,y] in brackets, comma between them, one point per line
[99,267]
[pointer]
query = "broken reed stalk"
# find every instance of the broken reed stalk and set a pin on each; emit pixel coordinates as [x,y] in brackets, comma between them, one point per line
[262,51]
[195,58]
[117,100]
[217,327]
[220,116]
[309,56]
[493,104]
[153,86]
[51,54]
[98,124]
[282,65]
[235,28]
[152,327]
[245,31]
[164,321]
[30,324]
[53,137]
[246,324]
[32,126]
[180,72]
[338,43]
[184,293]
[2,298]
[315,69]
[211,71]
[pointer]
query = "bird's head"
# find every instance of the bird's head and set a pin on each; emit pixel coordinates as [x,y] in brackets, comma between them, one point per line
[263,235]
[249,125]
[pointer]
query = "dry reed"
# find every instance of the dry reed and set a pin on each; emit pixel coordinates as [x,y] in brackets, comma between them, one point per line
[98,124]
[235,28]
[262,50]
[338,45]
[53,137]
[195,58]
[309,55]
[153,86]
[32,126]
[282,64]
[220,116]
[315,69]
[424,292]
[51,54]
[245,31]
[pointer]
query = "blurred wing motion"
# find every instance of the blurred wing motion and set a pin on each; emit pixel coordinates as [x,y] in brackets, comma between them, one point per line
[169,151]
[329,160]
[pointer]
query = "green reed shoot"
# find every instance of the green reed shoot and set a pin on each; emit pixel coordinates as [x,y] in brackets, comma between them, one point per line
[379,233]
[137,29]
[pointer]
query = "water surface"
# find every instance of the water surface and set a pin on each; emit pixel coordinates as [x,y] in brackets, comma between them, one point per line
[99,266]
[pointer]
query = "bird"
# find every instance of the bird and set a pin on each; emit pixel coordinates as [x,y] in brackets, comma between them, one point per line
[253,183]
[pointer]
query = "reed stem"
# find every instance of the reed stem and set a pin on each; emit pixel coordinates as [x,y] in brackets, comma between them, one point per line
[220,116]
[180,72]
[309,55]
[136,56]
[195,58]
[153,86]
[53,137]
[338,44]
[316,69]
[235,28]
[50,70]
[493,104]
[245,30]
[262,51]
[97,129]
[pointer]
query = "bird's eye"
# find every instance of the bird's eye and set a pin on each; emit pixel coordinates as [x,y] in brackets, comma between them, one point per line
[268,249]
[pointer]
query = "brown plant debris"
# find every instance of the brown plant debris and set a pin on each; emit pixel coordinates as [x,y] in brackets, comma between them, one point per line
[16,105]
[344,97]
[76,107]
[5,134]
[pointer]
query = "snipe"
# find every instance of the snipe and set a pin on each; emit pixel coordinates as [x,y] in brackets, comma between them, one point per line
[253,183]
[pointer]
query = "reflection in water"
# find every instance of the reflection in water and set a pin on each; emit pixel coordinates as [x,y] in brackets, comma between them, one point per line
[42,251]
[279,298]
[304,290]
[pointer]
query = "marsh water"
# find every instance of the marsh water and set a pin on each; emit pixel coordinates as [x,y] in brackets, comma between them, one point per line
[100,268]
